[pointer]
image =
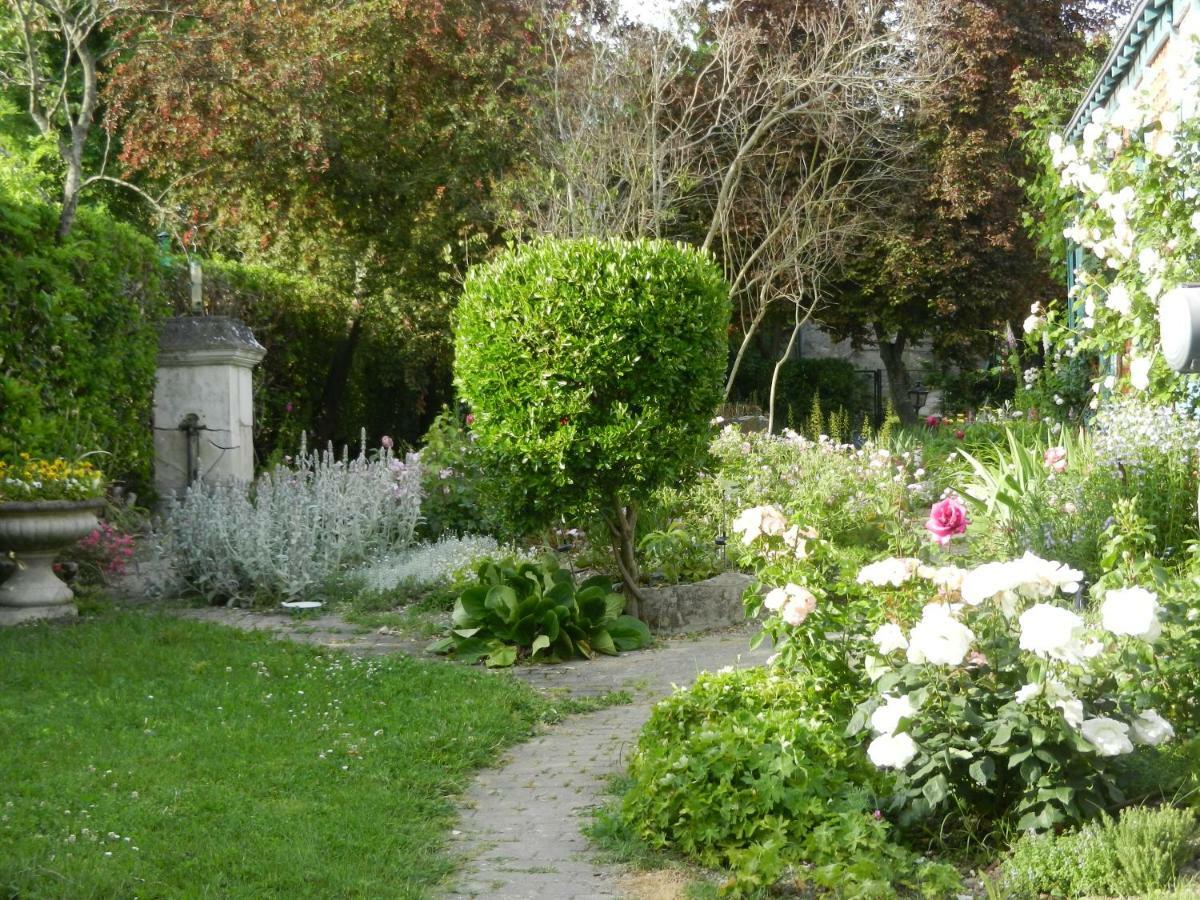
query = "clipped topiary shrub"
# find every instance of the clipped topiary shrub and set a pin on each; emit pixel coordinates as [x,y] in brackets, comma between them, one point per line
[593,369]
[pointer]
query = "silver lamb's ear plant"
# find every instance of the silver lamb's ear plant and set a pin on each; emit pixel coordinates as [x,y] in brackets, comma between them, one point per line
[292,530]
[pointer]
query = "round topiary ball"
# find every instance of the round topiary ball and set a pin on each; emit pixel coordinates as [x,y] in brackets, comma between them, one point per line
[593,369]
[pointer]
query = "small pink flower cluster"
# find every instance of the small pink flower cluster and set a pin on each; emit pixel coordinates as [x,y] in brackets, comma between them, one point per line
[1055,459]
[109,548]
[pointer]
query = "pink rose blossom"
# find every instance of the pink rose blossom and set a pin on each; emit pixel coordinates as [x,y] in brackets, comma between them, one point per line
[947,518]
[798,607]
[470,418]
[1055,459]
[386,442]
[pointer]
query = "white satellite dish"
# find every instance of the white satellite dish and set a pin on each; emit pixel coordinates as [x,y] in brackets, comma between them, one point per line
[1179,327]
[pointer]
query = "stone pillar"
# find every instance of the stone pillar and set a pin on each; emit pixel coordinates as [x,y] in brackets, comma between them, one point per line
[204,402]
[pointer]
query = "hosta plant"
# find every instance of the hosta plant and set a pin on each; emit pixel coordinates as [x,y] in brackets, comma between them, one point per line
[535,610]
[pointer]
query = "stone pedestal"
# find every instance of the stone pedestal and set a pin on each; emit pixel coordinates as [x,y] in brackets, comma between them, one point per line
[204,402]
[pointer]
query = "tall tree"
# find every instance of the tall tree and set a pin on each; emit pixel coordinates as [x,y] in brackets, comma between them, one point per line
[356,141]
[955,264]
[766,136]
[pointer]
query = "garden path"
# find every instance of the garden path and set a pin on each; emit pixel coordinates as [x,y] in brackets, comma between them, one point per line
[521,821]
[520,830]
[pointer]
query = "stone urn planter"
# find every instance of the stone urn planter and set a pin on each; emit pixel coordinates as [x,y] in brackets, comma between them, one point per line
[35,533]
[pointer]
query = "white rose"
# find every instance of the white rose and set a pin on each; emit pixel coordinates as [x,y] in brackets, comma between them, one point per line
[892,751]
[1139,372]
[775,599]
[886,718]
[1028,692]
[939,638]
[1131,611]
[1052,632]
[1108,736]
[1151,729]
[759,520]
[800,603]
[1072,710]
[889,638]
[1031,324]
[895,571]
[1119,300]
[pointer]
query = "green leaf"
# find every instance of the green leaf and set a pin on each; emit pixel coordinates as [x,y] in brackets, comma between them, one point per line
[602,642]
[629,633]
[501,657]
[541,642]
[502,600]
[982,770]
[935,789]
[1002,736]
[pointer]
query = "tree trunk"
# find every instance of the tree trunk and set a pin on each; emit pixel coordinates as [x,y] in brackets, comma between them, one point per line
[329,416]
[779,367]
[892,355]
[72,185]
[622,528]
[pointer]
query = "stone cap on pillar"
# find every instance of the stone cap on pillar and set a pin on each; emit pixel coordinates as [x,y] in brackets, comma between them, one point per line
[208,341]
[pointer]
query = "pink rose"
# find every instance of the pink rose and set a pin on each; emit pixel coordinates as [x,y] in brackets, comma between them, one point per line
[386,442]
[946,519]
[470,418]
[1055,459]
[798,606]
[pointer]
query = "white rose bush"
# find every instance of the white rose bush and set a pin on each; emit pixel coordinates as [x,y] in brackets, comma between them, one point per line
[999,703]
[1137,215]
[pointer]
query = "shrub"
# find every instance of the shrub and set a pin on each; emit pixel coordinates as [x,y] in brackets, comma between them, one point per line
[293,530]
[1140,852]
[593,369]
[78,338]
[1001,707]
[520,609]
[749,770]
[850,496]
[453,473]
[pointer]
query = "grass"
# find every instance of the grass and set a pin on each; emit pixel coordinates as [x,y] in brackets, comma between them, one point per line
[150,756]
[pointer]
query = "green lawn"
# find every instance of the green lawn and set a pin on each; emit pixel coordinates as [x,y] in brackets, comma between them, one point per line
[142,755]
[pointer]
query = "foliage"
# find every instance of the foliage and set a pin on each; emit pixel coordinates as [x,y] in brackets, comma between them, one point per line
[293,530]
[41,479]
[78,338]
[356,144]
[426,565]
[183,742]
[452,473]
[853,497]
[749,770]
[1058,495]
[952,263]
[593,369]
[678,554]
[1140,852]
[518,609]
[837,383]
